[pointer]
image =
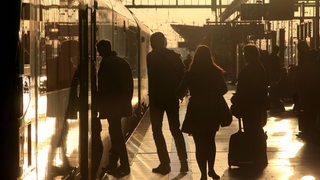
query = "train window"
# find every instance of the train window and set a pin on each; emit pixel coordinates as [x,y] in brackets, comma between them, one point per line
[25,11]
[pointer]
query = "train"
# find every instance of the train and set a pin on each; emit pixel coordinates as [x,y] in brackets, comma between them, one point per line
[57,38]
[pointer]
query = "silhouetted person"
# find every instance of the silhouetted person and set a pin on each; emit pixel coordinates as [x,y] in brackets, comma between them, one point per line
[165,71]
[115,91]
[306,89]
[252,98]
[275,59]
[265,60]
[187,61]
[206,84]
[277,78]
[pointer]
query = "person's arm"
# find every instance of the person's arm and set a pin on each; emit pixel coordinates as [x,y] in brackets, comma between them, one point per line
[182,89]
[223,89]
[179,67]
[127,81]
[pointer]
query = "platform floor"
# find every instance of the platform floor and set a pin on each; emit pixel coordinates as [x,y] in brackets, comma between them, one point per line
[289,157]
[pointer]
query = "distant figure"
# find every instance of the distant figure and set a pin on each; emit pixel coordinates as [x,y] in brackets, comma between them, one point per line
[165,71]
[265,60]
[206,84]
[252,98]
[275,56]
[187,61]
[277,77]
[115,91]
[307,91]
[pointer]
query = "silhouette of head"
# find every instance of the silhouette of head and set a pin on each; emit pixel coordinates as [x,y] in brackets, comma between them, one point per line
[202,58]
[251,53]
[303,46]
[70,50]
[203,54]
[158,40]
[275,49]
[104,47]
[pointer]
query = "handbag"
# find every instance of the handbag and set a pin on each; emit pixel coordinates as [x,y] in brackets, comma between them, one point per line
[224,113]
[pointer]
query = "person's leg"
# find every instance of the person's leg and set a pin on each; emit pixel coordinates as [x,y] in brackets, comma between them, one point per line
[201,153]
[174,124]
[310,117]
[156,118]
[63,144]
[97,146]
[118,147]
[212,154]
[113,154]
[58,140]
[117,140]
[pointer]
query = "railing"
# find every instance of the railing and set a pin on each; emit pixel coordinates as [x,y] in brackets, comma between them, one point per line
[173,4]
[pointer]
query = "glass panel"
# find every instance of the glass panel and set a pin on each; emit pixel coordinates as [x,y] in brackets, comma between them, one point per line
[49,128]
[62,58]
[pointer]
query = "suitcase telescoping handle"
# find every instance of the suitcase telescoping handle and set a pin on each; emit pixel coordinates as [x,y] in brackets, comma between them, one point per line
[240,125]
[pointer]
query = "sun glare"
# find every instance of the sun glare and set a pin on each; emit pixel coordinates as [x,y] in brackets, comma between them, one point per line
[308,178]
[287,141]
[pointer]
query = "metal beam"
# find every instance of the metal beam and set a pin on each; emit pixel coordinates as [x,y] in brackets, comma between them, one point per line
[175,6]
[233,7]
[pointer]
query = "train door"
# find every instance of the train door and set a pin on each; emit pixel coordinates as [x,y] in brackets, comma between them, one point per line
[62,42]
[87,108]
[56,47]
[89,127]
[32,101]
[56,59]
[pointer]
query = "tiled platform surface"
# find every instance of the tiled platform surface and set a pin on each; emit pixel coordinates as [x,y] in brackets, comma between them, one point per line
[289,157]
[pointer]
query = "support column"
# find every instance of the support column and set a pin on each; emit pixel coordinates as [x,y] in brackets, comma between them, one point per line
[316,26]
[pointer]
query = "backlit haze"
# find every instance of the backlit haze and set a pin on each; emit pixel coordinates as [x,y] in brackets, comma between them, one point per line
[160,20]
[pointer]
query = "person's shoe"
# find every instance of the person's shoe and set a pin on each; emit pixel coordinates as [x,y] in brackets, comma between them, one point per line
[213,175]
[162,169]
[184,167]
[122,171]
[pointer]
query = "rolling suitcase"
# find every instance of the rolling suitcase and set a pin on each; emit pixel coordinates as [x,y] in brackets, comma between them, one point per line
[239,149]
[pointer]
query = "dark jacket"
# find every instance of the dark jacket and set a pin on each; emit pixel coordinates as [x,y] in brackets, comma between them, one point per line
[115,87]
[252,89]
[206,91]
[165,71]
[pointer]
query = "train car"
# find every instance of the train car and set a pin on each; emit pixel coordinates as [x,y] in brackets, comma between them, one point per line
[57,40]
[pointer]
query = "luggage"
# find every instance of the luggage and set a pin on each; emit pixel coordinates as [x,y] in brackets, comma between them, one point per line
[239,149]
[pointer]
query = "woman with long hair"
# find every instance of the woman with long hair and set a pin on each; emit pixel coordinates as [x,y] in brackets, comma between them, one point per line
[206,84]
